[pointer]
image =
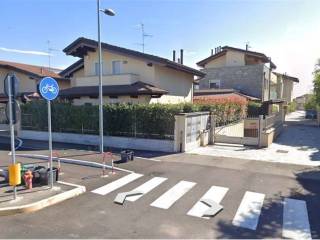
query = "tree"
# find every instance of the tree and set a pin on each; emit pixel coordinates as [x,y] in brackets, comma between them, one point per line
[316,83]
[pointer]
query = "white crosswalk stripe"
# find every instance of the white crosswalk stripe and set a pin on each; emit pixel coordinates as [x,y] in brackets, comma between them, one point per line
[295,219]
[110,187]
[295,215]
[146,187]
[215,194]
[248,213]
[167,199]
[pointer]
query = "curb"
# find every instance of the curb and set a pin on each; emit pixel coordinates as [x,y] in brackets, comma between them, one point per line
[32,207]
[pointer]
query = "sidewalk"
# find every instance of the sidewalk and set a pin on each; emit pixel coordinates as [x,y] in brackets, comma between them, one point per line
[299,143]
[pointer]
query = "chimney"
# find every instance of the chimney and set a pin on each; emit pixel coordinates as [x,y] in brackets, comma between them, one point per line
[211,52]
[178,60]
[181,56]
[174,55]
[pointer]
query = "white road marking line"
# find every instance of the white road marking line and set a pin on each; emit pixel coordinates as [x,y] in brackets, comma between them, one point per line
[146,187]
[295,219]
[148,159]
[215,193]
[167,199]
[104,190]
[248,213]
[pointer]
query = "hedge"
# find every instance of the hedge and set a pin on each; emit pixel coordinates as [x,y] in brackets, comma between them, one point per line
[133,120]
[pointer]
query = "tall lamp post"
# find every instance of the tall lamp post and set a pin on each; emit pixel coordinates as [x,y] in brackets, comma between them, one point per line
[108,12]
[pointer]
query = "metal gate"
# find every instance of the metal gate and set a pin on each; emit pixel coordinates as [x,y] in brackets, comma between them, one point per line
[232,132]
[244,131]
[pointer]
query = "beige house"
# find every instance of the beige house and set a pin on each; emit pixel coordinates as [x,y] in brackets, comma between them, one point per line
[29,77]
[128,76]
[285,85]
[250,73]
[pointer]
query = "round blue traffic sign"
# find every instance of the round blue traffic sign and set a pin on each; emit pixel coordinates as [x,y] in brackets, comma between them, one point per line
[49,88]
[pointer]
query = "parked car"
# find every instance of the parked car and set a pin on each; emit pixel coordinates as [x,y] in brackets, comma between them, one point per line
[311,114]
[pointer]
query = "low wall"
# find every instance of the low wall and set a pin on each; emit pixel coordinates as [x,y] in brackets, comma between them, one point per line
[109,141]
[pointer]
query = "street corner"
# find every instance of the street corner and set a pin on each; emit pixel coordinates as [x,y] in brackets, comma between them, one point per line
[31,200]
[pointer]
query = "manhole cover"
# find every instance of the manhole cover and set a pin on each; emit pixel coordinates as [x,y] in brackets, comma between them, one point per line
[282,151]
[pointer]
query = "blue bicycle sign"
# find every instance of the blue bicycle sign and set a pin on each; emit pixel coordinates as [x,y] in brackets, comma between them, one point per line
[49,88]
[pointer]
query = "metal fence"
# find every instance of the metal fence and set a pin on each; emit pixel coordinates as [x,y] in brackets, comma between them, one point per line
[272,120]
[27,123]
[3,118]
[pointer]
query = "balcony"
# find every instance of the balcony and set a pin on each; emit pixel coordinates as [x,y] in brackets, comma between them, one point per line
[112,79]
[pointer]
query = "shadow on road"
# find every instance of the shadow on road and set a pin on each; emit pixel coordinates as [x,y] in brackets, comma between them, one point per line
[270,224]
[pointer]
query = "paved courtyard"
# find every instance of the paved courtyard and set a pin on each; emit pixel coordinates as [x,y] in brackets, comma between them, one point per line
[299,143]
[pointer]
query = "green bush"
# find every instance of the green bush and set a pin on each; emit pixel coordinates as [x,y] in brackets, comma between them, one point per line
[311,104]
[292,106]
[133,120]
[254,109]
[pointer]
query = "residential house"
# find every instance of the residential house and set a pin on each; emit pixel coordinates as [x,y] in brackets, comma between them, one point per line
[128,76]
[302,100]
[250,73]
[29,77]
[284,86]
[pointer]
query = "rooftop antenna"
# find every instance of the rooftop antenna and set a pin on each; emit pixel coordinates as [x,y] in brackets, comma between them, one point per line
[50,50]
[144,35]
[248,46]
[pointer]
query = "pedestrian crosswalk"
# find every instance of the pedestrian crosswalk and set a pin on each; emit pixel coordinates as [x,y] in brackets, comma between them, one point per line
[295,214]
[166,200]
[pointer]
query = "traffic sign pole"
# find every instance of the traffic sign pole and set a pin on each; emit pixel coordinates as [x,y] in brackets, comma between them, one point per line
[13,148]
[49,90]
[50,143]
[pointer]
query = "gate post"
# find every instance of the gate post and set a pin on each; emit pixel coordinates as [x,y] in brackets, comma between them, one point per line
[260,131]
[180,133]
[212,129]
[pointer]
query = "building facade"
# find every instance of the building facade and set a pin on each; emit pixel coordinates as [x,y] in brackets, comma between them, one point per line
[250,73]
[128,76]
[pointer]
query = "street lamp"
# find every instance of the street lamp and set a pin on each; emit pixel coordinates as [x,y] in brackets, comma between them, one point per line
[108,12]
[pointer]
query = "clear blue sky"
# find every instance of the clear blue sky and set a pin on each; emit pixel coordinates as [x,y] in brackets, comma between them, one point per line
[287,31]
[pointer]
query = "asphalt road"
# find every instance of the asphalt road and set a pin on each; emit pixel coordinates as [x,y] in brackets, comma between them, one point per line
[96,216]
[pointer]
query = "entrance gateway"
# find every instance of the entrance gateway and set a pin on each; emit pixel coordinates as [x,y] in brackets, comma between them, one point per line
[244,131]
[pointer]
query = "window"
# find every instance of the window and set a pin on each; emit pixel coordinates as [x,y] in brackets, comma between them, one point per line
[96,68]
[214,83]
[116,67]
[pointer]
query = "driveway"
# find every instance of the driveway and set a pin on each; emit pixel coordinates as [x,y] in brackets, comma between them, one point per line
[299,143]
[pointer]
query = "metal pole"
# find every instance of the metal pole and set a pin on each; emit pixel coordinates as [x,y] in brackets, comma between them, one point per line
[100,81]
[50,143]
[13,148]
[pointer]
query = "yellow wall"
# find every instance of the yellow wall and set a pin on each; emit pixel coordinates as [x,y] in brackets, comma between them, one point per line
[120,99]
[25,83]
[235,58]
[179,84]
[216,63]
[231,58]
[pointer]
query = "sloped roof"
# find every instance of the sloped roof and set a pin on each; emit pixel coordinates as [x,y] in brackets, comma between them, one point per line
[284,75]
[262,56]
[82,45]
[137,88]
[36,71]
[215,92]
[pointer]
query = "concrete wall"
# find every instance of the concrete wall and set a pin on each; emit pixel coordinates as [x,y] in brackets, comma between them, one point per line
[247,79]
[287,90]
[109,141]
